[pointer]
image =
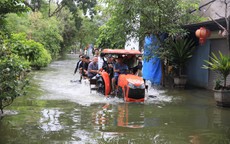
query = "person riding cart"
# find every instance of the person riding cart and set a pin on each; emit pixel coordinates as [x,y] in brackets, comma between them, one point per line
[130,87]
[93,68]
[119,68]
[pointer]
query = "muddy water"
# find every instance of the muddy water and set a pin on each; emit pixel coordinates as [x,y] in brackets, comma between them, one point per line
[56,110]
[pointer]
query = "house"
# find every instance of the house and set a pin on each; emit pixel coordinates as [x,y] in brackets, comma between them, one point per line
[198,76]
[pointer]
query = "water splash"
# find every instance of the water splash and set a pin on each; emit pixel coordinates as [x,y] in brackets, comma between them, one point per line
[58,82]
[157,95]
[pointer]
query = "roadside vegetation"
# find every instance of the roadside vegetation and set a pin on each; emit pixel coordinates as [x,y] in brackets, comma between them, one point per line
[34,33]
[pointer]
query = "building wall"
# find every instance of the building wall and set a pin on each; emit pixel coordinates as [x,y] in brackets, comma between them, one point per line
[213,8]
[216,46]
[198,76]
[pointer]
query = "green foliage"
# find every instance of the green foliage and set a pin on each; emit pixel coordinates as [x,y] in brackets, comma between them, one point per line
[71,17]
[154,17]
[74,36]
[110,37]
[84,5]
[218,84]
[46,31]
[57,27]
[112,34]
[68,30]
[181,51]
[219,64]
[13,67]
[16,23]
[12,76]
[11,6]
[140,17]
[30,50]
[20,46]
[44,58]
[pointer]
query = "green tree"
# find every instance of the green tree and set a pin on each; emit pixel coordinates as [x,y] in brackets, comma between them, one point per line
[141,17]
[110,36]
[13,76]
[44,30]
[30,50]
[88,32]
[77,8]
[11,6]
[13,68]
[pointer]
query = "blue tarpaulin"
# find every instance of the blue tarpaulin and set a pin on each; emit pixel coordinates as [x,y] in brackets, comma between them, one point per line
[151,68]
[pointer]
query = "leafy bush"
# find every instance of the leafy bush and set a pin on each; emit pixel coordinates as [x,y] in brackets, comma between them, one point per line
[12,76]
[181,52]
[44,58]
[46,31]
[32,51]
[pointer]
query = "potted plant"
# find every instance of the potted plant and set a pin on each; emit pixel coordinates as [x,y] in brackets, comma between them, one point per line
[221,65]
[181,52]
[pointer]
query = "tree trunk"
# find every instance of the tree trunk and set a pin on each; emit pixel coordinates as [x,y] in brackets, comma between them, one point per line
[228,38]
[225,81]
[1,107]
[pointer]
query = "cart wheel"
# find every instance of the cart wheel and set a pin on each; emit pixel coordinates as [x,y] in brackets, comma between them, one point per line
[101,87]
[119,92]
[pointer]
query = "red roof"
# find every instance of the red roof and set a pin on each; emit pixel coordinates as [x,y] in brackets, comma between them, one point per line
[121,51]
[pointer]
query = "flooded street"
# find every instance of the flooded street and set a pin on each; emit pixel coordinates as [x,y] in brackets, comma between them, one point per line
[57,110]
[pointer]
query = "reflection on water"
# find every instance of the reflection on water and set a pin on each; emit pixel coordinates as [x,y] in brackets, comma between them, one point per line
[50,120]
[65,112]
[120,115]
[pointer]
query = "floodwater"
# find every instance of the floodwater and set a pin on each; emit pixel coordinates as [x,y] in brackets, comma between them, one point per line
[56,110]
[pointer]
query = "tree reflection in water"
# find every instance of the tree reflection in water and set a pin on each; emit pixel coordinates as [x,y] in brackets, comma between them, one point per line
[50,120]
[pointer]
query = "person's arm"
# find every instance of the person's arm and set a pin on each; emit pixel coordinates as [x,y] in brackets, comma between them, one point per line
[75,70]
[77,66]
[115,69]
[93,71]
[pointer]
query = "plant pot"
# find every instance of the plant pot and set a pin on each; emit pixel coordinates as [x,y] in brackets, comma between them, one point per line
[222,97]
[180,81]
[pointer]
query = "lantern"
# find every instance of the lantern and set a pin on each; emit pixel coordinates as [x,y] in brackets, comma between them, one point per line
[202,33]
